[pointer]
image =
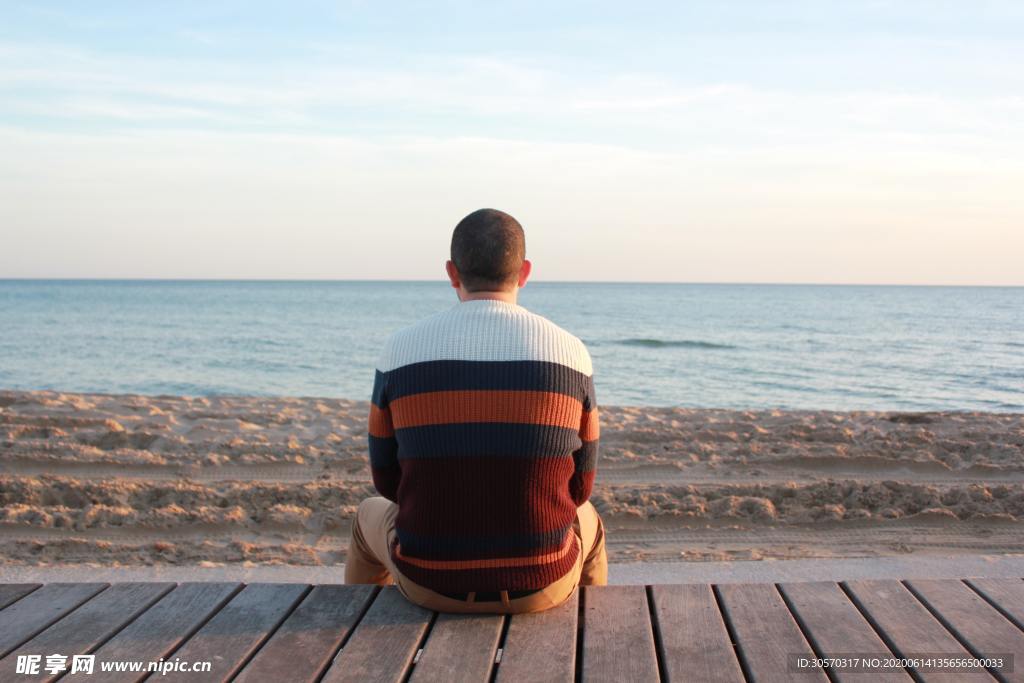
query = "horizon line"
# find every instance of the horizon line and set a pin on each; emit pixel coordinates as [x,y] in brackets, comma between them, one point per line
[433,281]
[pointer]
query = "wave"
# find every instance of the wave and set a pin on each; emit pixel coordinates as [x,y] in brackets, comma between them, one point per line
[677,343]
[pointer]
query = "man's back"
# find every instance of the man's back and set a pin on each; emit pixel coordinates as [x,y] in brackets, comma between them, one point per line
[484,431]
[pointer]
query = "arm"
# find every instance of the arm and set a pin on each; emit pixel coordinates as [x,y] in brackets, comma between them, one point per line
[383,446]
[585,458]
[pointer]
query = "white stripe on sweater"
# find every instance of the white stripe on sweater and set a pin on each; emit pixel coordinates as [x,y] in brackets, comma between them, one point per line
[485,330]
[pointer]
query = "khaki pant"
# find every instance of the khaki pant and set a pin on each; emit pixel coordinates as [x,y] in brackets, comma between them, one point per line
[369,561]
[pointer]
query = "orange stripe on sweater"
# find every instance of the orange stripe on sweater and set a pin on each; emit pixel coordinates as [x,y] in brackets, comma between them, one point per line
[450,407]
[567,547]
[380,422]
[590,428]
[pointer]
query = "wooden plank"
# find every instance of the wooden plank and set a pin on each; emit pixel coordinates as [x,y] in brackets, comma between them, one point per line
[385,641]
[231,637]
[12,592]
[766,633]
[694,642]
[973,621]
[1007,594]
[40,608]
[907,627]
[162,628]
[541,647]
[836,628]
[306,642]
[461,647]
[85,628]
[618,638]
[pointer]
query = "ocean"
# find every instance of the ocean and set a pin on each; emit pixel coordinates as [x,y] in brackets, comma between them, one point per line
[696,345]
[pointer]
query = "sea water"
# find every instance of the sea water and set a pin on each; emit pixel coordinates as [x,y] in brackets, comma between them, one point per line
[698,345]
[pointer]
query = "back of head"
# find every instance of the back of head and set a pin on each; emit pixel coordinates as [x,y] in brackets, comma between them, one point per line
[488,249]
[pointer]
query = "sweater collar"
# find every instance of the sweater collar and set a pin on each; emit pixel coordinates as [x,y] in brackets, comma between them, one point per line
[487,303]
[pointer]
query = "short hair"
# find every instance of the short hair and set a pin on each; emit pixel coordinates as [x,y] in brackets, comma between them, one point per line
[488,249]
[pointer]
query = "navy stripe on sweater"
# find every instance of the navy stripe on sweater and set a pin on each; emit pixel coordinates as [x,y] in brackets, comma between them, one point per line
[586,457]
[468,375]
[483,439]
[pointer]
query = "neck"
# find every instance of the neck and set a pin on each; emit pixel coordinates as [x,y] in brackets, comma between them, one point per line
[506,296]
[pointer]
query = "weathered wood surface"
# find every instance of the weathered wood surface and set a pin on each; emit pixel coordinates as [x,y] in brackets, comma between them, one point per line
[461,647]
[163,627]
[693,637]
[9,592]
[541,647]
[766,632]
[1007,595]
[306,643]
[384,643]
[836,628]
[296,632]
[973,621]
[88,626]
[618,637]
[908,627]
[26,617]
[237,631]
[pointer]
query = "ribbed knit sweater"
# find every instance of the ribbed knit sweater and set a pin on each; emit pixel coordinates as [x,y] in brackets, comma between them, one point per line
[484,430]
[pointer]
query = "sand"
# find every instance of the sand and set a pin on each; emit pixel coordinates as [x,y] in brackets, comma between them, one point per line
[138,481]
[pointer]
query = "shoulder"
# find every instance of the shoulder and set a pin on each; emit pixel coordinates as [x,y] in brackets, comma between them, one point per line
[400,345]
[408,336]
[573,351]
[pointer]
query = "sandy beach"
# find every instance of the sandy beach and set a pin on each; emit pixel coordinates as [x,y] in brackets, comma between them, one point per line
[131,480]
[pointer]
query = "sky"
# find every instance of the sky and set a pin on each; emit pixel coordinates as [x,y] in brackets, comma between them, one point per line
[765,141]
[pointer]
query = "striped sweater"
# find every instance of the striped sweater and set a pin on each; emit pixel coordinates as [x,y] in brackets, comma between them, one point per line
[484,429]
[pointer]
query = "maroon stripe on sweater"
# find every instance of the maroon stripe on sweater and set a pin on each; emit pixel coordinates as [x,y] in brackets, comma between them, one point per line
[485,496]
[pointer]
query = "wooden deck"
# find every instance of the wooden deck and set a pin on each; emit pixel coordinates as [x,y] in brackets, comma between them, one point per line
[698,632]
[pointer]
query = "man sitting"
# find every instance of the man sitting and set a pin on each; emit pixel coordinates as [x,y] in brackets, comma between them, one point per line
[483,438]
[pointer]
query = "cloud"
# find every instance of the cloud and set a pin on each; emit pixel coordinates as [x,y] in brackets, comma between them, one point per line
[311,164]
[452,94]
[208,204]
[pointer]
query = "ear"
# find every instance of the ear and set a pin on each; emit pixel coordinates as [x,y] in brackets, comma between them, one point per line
[453,274]
[524,272]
